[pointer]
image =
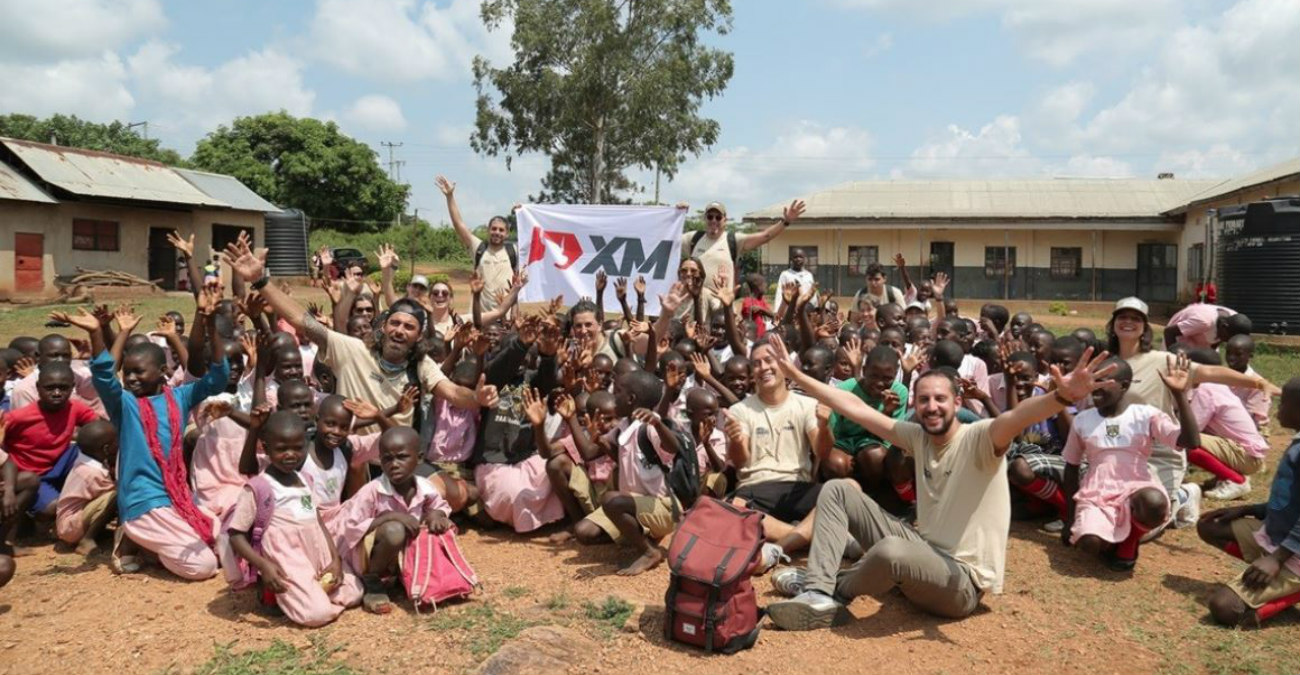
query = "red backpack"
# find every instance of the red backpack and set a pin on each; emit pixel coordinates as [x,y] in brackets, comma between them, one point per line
[434,570]
[710,601]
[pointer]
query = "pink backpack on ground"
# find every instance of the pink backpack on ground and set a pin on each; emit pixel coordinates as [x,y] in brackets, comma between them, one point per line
[239,574]
[434,570]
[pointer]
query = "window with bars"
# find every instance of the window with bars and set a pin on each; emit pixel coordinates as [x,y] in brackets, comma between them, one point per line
[1196,262]
[94,235]
[999,260]
[1066,262]
[860,257]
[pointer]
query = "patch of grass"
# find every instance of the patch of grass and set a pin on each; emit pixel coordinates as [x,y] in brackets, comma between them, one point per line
[485,627]
[514,592]
[557,601]
[281,658]
[609,615]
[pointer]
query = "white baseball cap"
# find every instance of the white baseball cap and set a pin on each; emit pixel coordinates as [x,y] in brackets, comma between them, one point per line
[1131,303]
[420,280]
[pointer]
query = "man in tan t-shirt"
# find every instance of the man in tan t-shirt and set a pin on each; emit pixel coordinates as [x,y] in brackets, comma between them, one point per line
[711,246]
[774,437]
[494,266]
[957,550]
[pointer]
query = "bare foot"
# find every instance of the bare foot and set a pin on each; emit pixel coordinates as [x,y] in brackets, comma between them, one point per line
[560,537]
[648,561]
[87,546]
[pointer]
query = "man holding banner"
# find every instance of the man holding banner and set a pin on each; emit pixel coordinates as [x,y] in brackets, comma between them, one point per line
[563,246]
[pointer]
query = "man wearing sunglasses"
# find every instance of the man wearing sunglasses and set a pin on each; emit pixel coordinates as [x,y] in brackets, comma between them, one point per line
[719,250]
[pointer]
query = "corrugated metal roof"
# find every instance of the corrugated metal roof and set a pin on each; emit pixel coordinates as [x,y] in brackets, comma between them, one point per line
[15,186]
[228,189]
[99,174]
[1034,198]
[1286,169]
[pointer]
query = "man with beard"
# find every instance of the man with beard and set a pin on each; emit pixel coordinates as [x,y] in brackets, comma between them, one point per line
[377,372]
[957,550]
[495,261]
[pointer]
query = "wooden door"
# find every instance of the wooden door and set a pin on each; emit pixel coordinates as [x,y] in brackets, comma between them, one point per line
[29,262]
[162,258]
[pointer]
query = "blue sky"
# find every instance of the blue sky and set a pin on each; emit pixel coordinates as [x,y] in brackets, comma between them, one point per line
[824,91]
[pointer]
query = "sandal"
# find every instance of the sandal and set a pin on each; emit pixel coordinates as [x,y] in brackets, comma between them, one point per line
[375,599]
[122,564]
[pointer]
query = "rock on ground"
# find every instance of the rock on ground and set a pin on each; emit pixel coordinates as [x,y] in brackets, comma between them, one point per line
[540,650]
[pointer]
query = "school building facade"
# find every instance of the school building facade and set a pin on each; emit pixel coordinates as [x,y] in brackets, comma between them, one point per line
[1040,239]
[66,208]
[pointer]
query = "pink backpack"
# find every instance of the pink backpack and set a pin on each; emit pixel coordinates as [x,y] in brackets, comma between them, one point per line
[434,570]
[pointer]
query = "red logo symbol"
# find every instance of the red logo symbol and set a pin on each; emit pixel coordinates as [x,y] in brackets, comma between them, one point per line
[570,249]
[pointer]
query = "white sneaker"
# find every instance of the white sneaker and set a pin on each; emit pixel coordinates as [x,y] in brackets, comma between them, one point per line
[1054,526]
[769,556]
[789,581]
[808,611]
[1189,511]
[1227,490]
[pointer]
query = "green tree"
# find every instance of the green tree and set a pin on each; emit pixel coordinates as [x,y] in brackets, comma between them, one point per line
[601,87]
[305,164]
[74,132]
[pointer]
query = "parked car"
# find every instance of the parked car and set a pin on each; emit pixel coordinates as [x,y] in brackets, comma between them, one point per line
[347,257]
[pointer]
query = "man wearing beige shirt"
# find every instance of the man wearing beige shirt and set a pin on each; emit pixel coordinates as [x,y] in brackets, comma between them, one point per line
[713,246]
[495,261]
[957,551]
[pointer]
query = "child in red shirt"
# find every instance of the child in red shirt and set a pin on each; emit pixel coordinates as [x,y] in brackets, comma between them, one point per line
[37,438]
[754,308]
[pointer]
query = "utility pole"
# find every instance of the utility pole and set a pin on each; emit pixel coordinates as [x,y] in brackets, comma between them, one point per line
[144,124]
[392,172]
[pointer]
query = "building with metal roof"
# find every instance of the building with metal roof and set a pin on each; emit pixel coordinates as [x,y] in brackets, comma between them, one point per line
[1041,239]
[64,209]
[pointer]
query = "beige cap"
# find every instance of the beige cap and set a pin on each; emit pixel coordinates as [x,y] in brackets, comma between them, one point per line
[716,206]
[420,280]
[1133,304]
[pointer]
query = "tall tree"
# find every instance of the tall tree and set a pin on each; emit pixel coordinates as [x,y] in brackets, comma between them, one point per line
[74,132]
[305,164]
[601,87]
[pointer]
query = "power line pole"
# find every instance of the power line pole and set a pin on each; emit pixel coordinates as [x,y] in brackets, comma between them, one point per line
[393,165]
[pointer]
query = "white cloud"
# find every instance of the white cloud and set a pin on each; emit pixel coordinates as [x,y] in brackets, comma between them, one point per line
[883,43]
[404,40]
[994,150]
[56,30]
[1055,31]
[93,88]
[806,157]
[191,100]
[374,112]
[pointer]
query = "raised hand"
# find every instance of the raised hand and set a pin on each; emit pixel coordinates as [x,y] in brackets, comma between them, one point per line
[824,414]
[620,288]
[353,281]
[24,366]
[1178,378]
[248,265]
[257,416]
[519,280]
[406,402]
[475,283]
[853,348]
[646,416]
[702,368]
[790,291]
[890,402]
[387,257]
[446,187]
[127,319]
[363,410]
[940,284]
[674,375]
[185,246]
[703,429]
[735,432]
[207,300]
[920,354]
[565,406]
[249,343]
[602,280]
[639,285]
[722,288]
[548,343]
[326,256]
[899,260]
[781,354]
[793,211]
[253,305]
[166,326]
[1085,378]
[486,394]
[534,407]
[82,319]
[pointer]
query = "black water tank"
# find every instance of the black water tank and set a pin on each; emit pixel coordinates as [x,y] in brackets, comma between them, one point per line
[1260,263]
[286,243]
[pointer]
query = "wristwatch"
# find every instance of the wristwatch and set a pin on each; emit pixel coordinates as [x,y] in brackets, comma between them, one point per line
[261,283]
[1063,401]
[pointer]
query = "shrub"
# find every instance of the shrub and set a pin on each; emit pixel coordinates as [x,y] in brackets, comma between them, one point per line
[429,243]
[1059,308]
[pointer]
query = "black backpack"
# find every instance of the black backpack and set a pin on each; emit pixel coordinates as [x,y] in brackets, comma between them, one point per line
[732,248]
[684,476]
[511,252]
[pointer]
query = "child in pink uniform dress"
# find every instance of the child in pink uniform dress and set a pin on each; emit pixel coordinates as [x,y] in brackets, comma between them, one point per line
[88,500]
[1119,500]
[372,528]
[295,556]
[215,464]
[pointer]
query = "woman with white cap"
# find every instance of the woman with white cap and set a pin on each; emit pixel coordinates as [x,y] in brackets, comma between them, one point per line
[1130,337]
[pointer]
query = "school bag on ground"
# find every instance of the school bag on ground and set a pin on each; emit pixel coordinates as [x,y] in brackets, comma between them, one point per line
[238,572]
[434,570]
[710,601]
[683,477]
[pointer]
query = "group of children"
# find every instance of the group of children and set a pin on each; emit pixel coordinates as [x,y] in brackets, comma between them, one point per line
[245,446]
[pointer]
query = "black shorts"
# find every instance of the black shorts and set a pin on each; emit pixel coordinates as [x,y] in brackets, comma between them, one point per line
[786,501]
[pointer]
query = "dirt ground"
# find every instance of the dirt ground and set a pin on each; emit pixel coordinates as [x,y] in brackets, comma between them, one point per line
[1061,612]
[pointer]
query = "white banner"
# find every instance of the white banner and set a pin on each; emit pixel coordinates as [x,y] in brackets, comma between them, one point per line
[563,246]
